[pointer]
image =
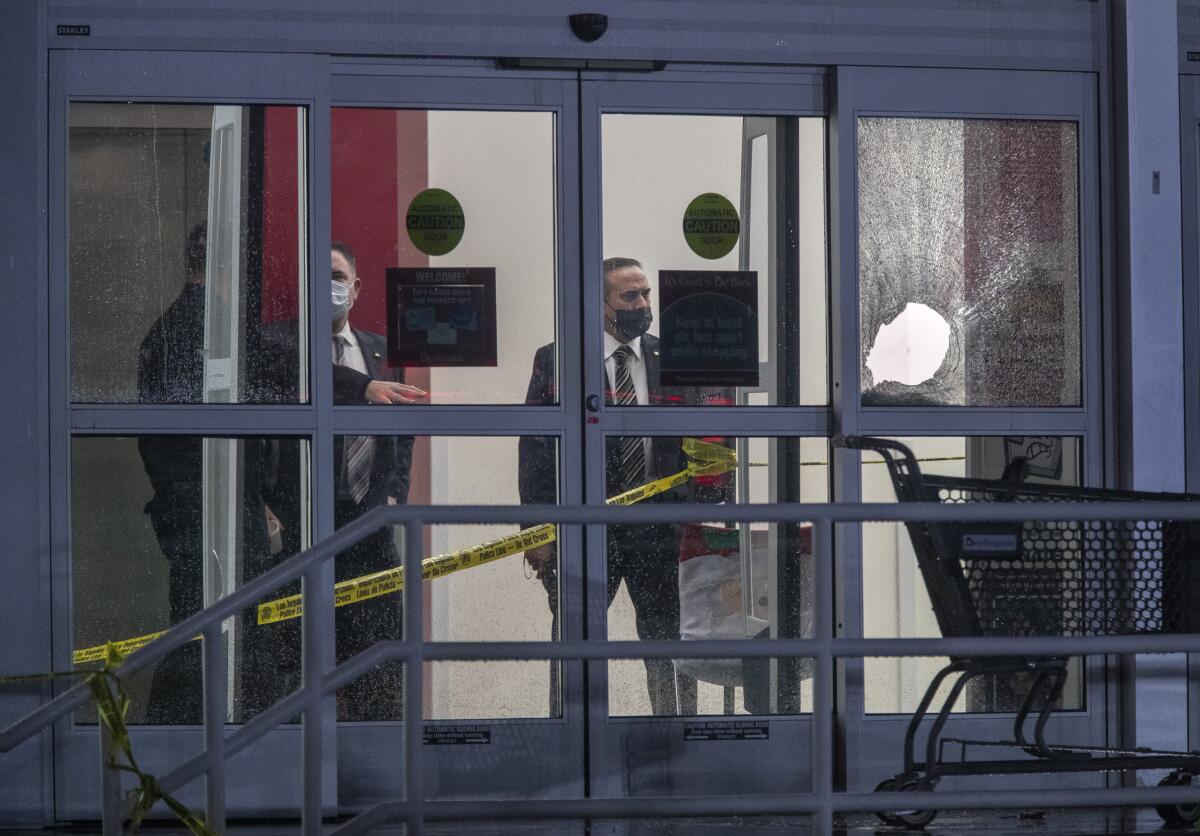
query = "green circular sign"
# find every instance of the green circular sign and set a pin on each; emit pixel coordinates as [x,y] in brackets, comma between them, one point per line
[435,221]
[711,226]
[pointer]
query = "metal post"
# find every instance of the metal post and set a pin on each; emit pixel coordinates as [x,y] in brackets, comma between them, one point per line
[413,675]
[318,634]
[214,725]
[822,716]
[110,788]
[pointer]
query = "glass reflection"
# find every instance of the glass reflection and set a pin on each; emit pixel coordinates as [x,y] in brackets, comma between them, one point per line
[185,266]
[977,222]
[163,526]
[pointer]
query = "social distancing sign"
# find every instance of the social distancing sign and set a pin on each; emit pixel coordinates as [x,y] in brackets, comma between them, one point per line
[704,459]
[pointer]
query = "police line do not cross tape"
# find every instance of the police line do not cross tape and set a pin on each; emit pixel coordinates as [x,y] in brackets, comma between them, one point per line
[704,459]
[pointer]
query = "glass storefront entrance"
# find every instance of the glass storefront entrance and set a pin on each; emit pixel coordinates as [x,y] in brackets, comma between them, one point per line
[550,287]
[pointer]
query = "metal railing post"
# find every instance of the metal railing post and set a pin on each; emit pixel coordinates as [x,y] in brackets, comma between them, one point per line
[414,622]
[214,726]
[822,711]
[318,630]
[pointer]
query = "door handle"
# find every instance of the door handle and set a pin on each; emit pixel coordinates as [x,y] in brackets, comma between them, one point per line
[593,403]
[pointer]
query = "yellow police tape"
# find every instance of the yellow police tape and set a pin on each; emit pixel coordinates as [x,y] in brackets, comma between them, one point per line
[392,580]
[100,651]
[705,459]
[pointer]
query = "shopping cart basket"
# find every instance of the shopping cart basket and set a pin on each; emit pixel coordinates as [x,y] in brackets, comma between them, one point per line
[1069,578]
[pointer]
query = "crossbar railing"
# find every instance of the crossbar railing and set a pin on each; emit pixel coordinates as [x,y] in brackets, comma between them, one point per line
[318,682]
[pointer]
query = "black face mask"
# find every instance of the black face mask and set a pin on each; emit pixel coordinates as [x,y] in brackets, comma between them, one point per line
[632,323]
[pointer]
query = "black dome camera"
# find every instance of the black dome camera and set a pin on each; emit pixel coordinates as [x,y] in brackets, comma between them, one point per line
[589,27]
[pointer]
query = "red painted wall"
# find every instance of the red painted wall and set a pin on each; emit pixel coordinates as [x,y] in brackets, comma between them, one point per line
[380,161]
[281,244]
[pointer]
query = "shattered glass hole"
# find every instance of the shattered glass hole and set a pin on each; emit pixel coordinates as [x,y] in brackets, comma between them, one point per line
[911,348]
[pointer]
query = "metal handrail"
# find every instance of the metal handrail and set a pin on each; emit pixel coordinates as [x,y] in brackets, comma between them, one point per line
[319,682]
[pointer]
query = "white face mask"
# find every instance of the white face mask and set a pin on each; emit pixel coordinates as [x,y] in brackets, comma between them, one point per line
[341,299]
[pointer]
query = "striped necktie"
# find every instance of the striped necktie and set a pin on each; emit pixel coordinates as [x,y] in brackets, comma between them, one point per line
[358,452]
[631,450]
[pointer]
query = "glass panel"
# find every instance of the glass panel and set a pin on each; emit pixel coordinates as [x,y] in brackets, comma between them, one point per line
[480,588]
[454,255]
[896,603]
[713,581]
[698,231]
[968,257]
[162,526]
[187,253]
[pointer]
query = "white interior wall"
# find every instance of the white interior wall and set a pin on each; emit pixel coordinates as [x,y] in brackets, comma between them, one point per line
[895,604]
[813,243]
[501,167]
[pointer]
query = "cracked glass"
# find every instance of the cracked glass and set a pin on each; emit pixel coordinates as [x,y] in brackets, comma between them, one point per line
[968,262]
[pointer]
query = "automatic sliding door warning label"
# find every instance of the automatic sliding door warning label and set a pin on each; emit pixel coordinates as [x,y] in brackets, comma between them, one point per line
[449,735]
[723,730]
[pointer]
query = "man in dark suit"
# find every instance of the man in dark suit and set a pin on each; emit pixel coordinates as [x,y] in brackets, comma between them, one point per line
[379,475]
[171,371]
[646,557]
[371,471]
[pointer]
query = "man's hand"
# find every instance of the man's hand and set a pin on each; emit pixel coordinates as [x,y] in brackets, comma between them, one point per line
[541,558]
[274,531]
[386,391]
[274,526]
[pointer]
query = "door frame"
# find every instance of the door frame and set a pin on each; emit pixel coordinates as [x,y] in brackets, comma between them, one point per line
[872,743]
[1189,170]
[319,83]
[164,77]
[546,754]
[696,766]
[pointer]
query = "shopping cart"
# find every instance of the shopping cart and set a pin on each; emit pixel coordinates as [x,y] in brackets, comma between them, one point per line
[1070,578]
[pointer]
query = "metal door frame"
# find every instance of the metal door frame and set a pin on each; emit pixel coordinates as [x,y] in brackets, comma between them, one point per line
[1189,180]
[693,766]
[316,83]
[166,77]
[553,748]
[873,742]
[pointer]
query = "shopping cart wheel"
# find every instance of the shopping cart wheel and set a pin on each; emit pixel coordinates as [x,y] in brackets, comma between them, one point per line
[905,818]
[884,816]
[1178,814]
[915,819]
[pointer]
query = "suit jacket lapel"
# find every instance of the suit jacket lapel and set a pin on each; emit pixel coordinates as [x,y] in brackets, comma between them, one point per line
[660,452]
[650,353]
[371,351]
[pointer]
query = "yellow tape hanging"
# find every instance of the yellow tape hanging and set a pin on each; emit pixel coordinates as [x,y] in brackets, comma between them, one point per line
[706,451]
[392,580]
[706,459]
[100,651]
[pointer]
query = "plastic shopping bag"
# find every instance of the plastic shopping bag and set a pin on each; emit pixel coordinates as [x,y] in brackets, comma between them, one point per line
[711,600]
